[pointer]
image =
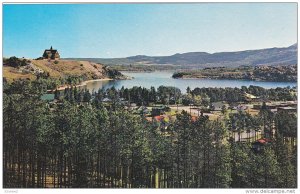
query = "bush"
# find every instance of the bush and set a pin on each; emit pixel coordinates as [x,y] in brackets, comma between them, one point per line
[15,62]
[55,62]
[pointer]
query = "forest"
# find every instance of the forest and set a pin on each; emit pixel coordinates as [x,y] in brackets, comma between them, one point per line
[81,142]
[259,73]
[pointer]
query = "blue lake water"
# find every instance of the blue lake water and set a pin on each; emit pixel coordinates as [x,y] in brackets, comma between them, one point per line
[159,78]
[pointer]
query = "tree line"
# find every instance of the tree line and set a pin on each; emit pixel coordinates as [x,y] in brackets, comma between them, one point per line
[173,95]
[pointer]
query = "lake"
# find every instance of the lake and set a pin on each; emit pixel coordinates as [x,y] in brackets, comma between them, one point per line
[159,78]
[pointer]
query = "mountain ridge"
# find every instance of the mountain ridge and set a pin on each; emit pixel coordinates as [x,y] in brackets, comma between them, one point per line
[267,56]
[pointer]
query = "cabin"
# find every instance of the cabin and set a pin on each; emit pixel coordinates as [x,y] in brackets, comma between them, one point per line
[51,54]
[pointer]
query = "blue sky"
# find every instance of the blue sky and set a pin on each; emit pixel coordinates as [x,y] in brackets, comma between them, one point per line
[121,30]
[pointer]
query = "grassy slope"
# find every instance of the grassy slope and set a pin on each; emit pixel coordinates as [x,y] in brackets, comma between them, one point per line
[62,69]
[11,73]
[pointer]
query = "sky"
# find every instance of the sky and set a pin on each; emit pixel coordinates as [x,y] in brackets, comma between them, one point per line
[122,30]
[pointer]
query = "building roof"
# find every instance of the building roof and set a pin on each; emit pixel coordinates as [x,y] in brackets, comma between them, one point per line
[263,140]
[158,118]
[250,96]
[47,97]
[106,100]
[194,118]
[51,50]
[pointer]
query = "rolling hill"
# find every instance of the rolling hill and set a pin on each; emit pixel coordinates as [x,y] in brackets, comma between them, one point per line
[31,69]
[269,56]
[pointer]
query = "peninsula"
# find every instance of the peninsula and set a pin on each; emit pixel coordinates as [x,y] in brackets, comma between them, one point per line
[257,73]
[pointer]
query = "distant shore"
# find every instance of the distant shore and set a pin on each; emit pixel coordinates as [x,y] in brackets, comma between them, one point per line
[225,78]
[247,73]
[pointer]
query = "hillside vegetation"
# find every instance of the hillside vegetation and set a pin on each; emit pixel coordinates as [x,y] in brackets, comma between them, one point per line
[15,68]
[259,73]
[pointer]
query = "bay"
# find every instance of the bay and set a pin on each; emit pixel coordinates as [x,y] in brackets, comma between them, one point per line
[158,78]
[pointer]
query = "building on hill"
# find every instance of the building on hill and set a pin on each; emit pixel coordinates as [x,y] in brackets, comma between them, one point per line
[51,54]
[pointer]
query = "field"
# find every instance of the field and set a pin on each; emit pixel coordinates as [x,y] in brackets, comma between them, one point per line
[11,74]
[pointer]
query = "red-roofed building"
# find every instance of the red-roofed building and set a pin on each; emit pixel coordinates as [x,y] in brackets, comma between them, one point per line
[263,140]
[260,143]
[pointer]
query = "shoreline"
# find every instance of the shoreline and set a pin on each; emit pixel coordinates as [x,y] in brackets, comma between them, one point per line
[255,80]
[81,84]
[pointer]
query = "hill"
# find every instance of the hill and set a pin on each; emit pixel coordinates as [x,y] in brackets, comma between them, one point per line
[14,68]
[269,56]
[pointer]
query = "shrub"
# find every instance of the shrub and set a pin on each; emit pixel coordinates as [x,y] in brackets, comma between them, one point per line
[15,62]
